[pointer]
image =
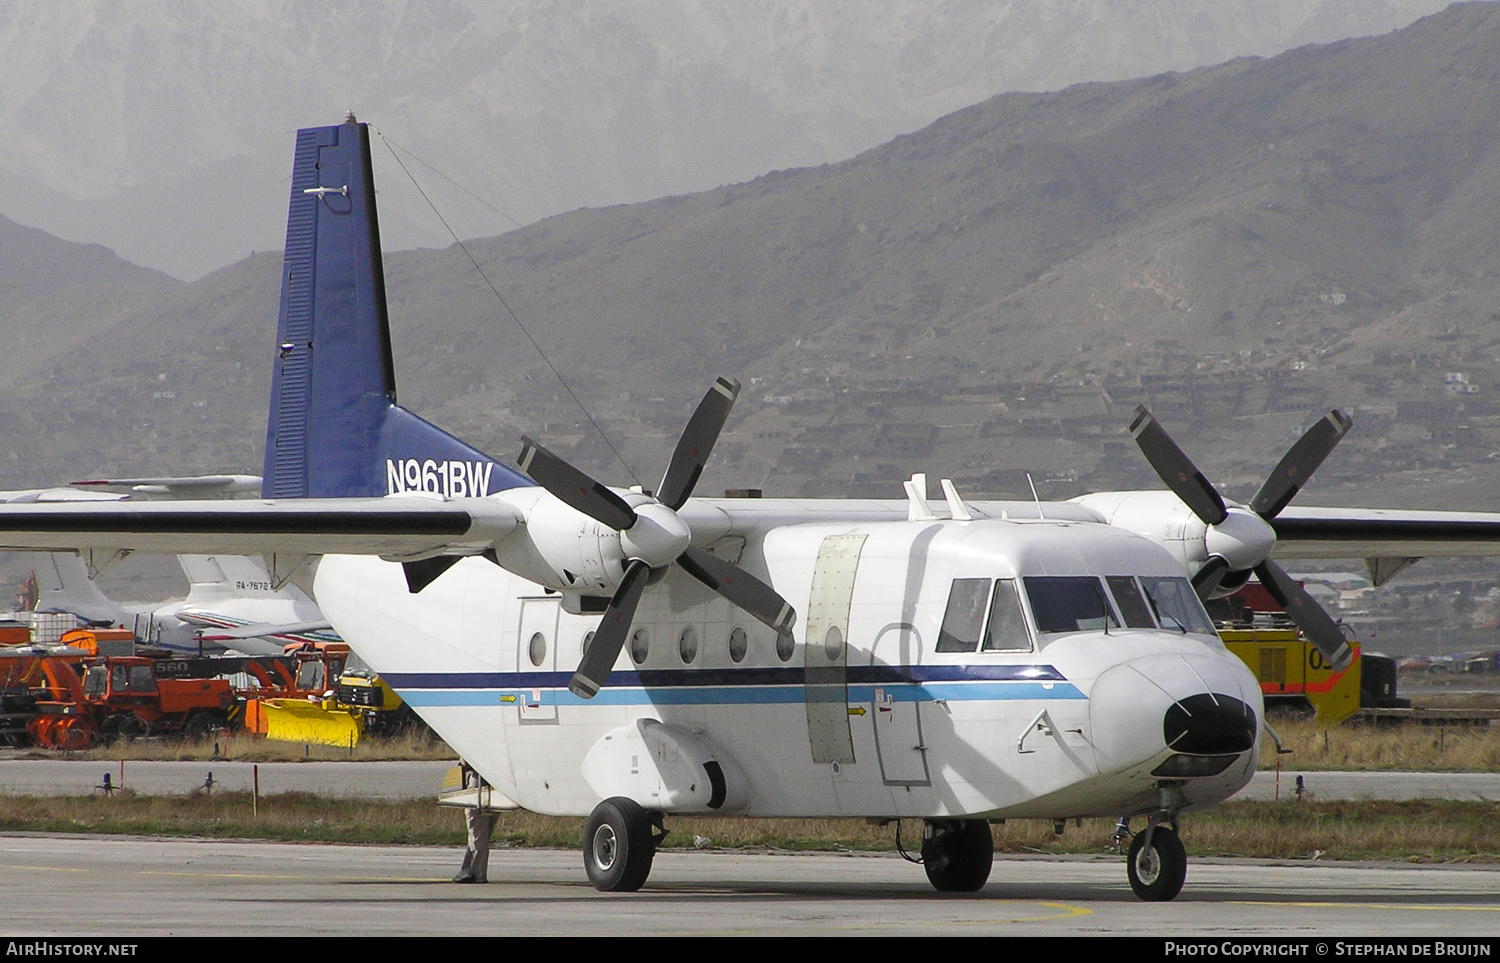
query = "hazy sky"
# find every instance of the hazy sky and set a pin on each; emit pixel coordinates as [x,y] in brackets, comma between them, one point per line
[164,129]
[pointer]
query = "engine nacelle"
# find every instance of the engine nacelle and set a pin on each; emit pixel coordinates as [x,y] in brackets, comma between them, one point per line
[1243,539]
[562,548]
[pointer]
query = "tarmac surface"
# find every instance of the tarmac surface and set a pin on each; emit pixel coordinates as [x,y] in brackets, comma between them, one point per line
[361,780]
[417,780]
[139,887]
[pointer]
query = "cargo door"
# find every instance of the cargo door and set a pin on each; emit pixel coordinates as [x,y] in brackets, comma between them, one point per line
[826,652]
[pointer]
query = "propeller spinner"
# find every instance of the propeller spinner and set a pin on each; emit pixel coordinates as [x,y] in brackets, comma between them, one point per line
[1241,541]
[654,537]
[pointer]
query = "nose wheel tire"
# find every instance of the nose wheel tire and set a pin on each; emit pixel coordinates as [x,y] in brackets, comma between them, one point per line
[1157,871]
[957,854]
[618,846]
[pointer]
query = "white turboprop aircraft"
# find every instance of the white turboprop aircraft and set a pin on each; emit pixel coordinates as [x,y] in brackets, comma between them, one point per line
[231,603]
[629,656]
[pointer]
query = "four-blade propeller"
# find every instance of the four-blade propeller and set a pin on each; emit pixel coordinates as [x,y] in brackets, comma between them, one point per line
[1237,536]
[654,537]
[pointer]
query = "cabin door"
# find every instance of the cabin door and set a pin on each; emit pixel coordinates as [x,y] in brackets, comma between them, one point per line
[826,649]
[894,708]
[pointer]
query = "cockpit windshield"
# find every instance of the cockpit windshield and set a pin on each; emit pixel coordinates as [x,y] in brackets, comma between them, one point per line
[981,609]
[1069,603]
[986,615]
[1176,605]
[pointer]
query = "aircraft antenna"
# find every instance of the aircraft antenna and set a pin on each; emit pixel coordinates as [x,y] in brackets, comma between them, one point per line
[1034,497]
[504,304]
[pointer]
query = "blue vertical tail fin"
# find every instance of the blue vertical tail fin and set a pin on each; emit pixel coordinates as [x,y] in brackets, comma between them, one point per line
[335,429]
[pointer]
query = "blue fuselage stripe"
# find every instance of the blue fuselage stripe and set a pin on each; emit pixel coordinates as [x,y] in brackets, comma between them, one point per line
[465,690]
[730,677]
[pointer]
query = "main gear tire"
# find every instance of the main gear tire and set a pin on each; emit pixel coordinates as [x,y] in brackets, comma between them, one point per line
[957,854]
[618,846]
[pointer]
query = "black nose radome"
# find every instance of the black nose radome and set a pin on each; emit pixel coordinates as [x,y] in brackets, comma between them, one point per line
[1209,725]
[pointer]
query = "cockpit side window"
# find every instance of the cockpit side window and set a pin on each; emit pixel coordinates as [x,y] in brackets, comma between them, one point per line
[1006,630]
[1177,605]
[1069,603]
[1130,602]
[965,616]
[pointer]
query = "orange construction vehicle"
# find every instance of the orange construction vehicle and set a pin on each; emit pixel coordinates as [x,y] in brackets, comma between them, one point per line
[115,696]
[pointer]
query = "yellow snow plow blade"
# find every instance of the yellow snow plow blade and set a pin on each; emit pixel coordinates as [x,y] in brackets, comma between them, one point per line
[293,720]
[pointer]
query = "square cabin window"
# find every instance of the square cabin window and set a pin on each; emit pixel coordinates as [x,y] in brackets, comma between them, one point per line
[1006,631]
[964,619]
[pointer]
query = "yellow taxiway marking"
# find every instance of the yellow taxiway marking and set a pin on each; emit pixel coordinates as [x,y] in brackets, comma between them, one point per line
[1064,911]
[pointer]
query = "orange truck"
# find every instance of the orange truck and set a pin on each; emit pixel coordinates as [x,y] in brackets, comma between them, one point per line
[115,697]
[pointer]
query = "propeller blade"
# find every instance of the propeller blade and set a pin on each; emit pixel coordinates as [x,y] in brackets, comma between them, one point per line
[1176,469]
[1319,627]
[1298,464]
[739,587]
[1207,581]
[609,638]
[697,443]
[574,488]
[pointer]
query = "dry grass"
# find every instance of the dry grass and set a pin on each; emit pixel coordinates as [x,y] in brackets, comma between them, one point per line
[289,817]
[241,747]
[1395,748]
[1406,747]
[1426,831]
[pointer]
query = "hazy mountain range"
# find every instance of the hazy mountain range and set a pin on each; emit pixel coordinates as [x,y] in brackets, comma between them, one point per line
[161,129]
[1239,246]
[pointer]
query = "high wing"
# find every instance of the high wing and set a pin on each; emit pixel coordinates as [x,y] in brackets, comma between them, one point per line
[397,528]
[1384,533]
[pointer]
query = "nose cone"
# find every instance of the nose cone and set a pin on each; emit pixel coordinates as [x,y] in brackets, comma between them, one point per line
[1209,724]
[1184,714]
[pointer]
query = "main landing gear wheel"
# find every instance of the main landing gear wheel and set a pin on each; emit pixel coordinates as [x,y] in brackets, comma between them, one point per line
[618,846]
[1158,871]
[957,854]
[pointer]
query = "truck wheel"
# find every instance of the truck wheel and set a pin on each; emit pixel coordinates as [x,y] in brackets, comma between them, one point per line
[198,725]
[131,728]
[957,854]
[618,846]
[1157,874]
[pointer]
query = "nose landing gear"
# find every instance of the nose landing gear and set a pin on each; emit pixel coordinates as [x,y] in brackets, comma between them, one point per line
[1157,864]
[1157,861]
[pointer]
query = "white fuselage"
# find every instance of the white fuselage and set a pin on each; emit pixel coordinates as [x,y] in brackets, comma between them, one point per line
[860,716]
